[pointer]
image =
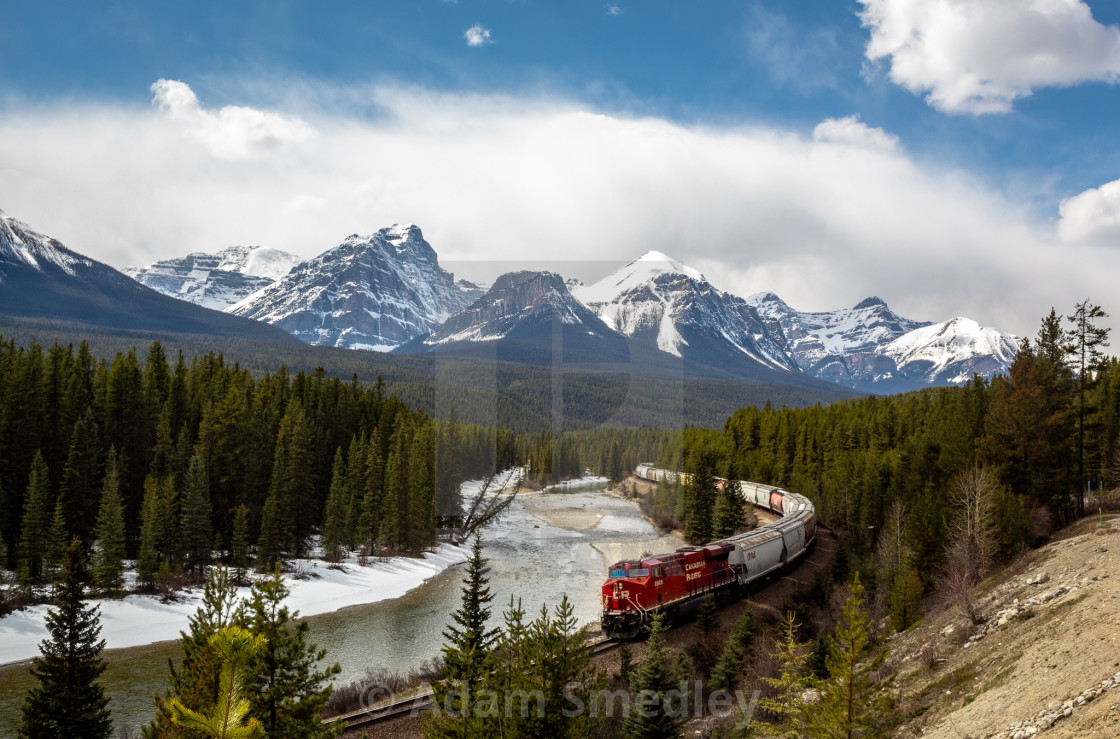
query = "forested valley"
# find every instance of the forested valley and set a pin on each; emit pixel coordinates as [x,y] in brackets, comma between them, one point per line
[168,461]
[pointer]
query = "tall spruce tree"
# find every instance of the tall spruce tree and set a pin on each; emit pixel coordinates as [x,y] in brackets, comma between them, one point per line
[1083,345]
[108,557]
[35,527]
[334,525]
[57,542]
[239,560]
[728,514]
[69,700]
[195,529]
[147,561]
[853,703]
[466,652]
[650,715]
[287,688]
[698,496]
[786,707]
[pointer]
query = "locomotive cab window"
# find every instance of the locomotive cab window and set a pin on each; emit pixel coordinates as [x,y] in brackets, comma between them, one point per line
[617,573]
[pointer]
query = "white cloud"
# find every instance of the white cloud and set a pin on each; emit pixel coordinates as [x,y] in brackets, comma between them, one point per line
[476,35]
[851,131]
[614,10]
[1092,216]
[232,132]
[823,222]
[979,56]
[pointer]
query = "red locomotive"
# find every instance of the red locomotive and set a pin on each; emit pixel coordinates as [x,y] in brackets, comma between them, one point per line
[674,583]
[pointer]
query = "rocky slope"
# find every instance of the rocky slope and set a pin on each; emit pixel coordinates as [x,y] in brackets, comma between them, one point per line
[370,292]
[42,278]
[1046,659]
[527,316]
[216,280]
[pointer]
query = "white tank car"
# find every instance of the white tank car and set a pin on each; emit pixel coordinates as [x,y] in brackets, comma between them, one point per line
[770,546]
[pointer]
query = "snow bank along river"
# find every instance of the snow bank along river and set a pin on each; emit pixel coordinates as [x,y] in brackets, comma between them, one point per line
[546,544]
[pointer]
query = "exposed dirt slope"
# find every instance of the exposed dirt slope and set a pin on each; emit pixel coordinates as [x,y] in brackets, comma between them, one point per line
[1046,661]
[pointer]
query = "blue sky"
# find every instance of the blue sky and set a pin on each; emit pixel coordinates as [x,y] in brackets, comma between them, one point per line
[953,157]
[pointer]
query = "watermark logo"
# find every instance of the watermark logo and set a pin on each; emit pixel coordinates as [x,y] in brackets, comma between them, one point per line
[684,701]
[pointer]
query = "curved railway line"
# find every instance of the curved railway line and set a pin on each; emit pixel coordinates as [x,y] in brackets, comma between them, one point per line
[780,551]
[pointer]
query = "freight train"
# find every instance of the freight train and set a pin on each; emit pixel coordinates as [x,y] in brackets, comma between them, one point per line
[674,583]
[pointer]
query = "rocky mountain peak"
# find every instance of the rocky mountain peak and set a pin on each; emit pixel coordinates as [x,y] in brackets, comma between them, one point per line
[872,302]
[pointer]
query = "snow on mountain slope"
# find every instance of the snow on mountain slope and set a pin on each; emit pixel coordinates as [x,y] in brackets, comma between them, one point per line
[370,292]
[660,300]
[871,347]
[952,352]
[216,280]
[530,317]
[20,245]
[43,279]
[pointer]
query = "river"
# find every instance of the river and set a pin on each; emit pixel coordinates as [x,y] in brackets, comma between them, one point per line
[545,545]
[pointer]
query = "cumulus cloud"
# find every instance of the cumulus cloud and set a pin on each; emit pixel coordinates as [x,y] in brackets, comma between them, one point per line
[979,56]
[851,131]
[232,132]
[476,35]
[614,10]
[1092,216]
[822,220]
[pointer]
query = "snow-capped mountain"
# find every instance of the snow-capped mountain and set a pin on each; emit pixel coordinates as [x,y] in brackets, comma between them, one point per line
[951,352]
[664,303]
[370,292]
[870,347]
[527,316]
[842,346]
[216,280]
[42,278]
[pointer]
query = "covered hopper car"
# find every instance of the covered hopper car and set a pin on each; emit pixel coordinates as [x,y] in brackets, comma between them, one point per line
[674,583]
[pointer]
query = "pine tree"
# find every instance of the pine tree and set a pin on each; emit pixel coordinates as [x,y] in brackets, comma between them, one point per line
[1083,346]
[560,660]
[69,701]
[57,543]
[905,597]
[270,546]
[466,653]
[728,515]
[334,527]
[707,615]
[698,496]
[108,559]
[852,702]
[147,562]
[730,663]
[286,688]
[194,683]
[195,530]
[228,718]
[421,491]
[35,527]
[79,476]
[650,715]
[787,705]
[239,544]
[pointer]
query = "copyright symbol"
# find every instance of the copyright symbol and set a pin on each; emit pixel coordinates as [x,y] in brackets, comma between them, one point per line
[375,694]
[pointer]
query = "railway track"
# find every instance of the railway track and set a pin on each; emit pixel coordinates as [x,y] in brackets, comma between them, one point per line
[422,702]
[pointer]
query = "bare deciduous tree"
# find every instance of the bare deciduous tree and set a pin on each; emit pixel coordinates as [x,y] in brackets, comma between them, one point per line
[973,498]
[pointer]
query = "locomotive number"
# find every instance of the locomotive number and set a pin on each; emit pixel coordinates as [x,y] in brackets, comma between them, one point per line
[658,583]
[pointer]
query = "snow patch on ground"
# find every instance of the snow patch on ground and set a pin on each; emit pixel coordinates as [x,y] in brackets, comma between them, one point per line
[143,619]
